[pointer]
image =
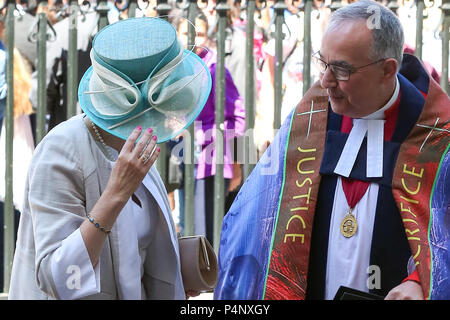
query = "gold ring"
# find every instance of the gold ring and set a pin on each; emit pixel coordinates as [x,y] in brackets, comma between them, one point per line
[145,158]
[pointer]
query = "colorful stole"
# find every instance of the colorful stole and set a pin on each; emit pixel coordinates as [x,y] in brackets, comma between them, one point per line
[414,176]
[288,266]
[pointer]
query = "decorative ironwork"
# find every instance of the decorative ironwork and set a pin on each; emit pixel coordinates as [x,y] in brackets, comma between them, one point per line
[123,5]
[335,5]
[163,8]
[62,10]
[33,33]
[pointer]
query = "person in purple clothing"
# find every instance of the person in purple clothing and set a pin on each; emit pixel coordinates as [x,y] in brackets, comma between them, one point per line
[205,134]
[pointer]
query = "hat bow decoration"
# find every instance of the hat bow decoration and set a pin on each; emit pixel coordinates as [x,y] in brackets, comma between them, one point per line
[165,90]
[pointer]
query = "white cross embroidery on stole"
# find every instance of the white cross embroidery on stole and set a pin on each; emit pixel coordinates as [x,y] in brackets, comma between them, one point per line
[431,132]
[310,116]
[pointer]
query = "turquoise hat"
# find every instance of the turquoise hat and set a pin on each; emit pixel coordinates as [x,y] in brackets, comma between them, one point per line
[142,76]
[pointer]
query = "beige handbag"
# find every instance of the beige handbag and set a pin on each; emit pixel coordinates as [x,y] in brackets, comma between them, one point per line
[198,263]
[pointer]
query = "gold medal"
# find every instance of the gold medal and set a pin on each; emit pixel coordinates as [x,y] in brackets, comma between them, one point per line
[349,226]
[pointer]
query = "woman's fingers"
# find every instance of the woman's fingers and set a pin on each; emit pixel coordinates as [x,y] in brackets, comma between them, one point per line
[149,154]
[129,143]
[153,157]
[134,162]
[143,143]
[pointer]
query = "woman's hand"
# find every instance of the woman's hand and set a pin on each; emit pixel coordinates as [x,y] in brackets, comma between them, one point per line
[132,165]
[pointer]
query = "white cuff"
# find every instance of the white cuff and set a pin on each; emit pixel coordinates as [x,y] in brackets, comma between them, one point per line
[72,270]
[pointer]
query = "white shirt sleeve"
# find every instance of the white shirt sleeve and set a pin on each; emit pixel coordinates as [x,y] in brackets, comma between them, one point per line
[72,270]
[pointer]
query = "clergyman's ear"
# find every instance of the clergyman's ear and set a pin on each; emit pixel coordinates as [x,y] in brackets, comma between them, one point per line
[390,68]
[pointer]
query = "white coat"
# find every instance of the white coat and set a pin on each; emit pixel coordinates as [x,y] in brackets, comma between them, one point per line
[66,177]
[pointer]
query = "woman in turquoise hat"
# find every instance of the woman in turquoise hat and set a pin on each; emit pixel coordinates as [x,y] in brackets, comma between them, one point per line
[96,222]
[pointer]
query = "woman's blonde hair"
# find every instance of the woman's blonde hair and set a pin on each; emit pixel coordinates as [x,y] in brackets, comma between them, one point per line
[22,85]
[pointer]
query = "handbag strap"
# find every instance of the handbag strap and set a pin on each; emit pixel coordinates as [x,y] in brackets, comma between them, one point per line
[205,253]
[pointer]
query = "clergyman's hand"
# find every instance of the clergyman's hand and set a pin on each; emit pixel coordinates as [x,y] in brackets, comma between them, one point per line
[408,290]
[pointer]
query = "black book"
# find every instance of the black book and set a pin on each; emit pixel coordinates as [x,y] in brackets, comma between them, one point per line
[345,293]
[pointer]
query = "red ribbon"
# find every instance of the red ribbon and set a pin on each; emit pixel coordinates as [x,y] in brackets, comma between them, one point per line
[354,190]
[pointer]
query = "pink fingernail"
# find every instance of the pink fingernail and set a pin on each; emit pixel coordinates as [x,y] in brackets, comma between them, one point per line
[139,127]
[150,130]
[154,138]
[159,149]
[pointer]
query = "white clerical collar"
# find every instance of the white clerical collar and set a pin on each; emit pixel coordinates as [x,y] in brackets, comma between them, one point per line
[373,126]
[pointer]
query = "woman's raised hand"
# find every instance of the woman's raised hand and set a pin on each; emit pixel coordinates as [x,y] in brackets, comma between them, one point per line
[133,163]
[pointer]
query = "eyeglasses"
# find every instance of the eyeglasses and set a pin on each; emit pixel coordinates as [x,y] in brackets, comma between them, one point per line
[339,72]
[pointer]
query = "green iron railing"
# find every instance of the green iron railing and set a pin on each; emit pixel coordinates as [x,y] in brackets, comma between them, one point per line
[219,190]
[249,149]
[72,60]
[188,153]
[8,211]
